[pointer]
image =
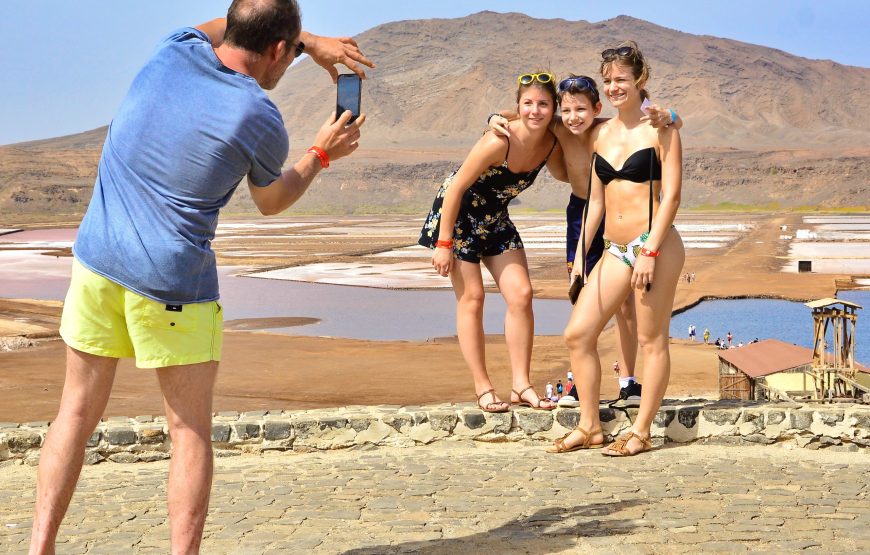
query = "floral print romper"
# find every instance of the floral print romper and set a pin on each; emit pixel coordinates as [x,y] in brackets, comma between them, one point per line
[483,226]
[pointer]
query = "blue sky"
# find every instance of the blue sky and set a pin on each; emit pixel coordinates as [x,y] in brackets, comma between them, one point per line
[67,64]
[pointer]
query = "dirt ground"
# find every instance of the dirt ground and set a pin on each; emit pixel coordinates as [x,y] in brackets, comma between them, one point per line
[270,371]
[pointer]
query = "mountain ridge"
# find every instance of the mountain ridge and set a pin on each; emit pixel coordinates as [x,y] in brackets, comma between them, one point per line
[780,119]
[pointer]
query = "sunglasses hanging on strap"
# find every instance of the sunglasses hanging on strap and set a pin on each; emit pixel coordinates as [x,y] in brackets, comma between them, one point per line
[580,281]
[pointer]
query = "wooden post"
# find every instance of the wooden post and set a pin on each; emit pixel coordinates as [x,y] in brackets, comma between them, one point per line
[838,371]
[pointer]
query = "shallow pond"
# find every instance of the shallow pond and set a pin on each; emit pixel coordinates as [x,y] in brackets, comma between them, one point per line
[787,321]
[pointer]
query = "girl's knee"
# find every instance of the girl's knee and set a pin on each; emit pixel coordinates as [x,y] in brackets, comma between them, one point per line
[519,298]
[653,343]
[471,300]
[577,337]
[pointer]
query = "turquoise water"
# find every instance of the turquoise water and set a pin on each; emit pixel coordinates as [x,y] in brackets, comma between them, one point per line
[787,321]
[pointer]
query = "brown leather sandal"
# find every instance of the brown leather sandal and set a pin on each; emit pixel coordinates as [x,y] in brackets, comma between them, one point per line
[620,445]
[523,403]
[562,447]
[489,406]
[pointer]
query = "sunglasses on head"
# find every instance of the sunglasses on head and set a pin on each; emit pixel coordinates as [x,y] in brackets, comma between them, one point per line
[529,78]
[622,52]
[580,83]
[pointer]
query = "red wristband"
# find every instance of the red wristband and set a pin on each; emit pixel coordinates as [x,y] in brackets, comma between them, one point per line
[646,252]
[321,155]
[444,244]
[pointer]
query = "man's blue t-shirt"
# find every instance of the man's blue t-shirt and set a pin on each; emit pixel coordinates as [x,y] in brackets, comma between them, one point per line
[189,130]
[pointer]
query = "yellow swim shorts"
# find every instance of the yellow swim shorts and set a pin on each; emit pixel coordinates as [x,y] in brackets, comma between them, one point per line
[103,318]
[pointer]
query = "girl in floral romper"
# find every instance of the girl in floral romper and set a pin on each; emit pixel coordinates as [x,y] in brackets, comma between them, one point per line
[469,224]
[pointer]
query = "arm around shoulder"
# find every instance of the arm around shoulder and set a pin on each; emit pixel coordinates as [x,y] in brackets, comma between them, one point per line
[672,162]
[556,165]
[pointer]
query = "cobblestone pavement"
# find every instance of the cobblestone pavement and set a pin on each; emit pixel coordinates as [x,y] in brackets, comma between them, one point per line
[466,497]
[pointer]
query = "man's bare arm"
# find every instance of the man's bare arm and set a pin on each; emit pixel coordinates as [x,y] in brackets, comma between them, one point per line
[326,52]
[336,138]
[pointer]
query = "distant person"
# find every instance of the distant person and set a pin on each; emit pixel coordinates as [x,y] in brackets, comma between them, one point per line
[644,252]
[469,224]
[579,106]
[571,389]
[693,276]
[549,390]
[729,337]
[692,332]
[570,376]
[739,343]
[195,123]
[559,388]
[706,336]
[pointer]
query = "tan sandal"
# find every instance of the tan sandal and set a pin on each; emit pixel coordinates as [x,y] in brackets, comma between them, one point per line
[562,447]
[620,445]
[489,406]
[523,403]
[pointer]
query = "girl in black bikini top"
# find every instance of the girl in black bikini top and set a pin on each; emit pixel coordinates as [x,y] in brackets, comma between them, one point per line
[645,269]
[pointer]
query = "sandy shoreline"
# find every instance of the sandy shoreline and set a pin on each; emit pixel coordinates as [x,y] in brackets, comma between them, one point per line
[268,371]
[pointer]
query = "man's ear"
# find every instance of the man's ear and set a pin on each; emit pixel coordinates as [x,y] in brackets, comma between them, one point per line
[278,50]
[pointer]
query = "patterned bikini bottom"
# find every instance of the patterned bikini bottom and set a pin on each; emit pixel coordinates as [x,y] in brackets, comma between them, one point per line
[627,253]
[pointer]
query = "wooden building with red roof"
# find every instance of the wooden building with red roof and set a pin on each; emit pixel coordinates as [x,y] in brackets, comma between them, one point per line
[752,371]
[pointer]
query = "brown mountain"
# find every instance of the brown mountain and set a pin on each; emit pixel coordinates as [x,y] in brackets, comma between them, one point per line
[437,80]
[761,126]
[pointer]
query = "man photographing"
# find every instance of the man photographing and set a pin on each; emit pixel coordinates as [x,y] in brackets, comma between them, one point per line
[195,122]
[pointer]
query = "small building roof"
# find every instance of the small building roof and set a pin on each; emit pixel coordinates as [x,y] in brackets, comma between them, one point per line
[828,301]
[769,357]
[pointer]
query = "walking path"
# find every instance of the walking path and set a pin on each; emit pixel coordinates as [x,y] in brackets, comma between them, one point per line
[455,497]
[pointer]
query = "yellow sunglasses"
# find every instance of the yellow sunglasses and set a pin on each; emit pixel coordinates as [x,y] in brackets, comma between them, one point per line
[542,78]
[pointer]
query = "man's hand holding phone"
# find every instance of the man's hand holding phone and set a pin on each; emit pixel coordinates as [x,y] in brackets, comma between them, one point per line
[339,137]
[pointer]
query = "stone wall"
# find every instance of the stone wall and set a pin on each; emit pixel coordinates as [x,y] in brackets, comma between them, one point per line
[146,438]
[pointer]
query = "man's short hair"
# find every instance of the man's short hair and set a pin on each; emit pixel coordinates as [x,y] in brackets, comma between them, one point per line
[254,25]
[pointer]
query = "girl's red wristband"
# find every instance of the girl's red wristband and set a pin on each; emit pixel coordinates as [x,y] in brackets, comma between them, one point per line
[444,244]
[321,155]
[646,252]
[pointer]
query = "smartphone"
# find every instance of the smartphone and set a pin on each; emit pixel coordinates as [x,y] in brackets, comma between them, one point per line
[349,90]
[644,106]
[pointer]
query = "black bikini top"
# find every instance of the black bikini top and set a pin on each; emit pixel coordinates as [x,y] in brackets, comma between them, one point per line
[639,167]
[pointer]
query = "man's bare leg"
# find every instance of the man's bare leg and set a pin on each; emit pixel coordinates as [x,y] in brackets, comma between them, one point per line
[187,392]
[86,391]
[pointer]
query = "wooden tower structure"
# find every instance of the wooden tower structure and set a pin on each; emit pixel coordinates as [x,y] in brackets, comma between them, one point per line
[832,373]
